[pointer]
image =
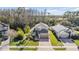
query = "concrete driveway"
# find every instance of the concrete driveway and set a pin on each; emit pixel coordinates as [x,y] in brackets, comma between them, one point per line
[68,43]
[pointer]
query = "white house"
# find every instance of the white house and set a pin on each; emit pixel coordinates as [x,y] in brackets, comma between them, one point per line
[42,31]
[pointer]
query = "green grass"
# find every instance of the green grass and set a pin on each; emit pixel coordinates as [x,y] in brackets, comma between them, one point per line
[33,43]
[54,40]
[59,48]
[76,42]
[0,42]
[13,43]
[77,32]
[19,49]
[26,43]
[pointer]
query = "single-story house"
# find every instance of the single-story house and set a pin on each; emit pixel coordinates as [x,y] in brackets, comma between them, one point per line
[41,31]
[62,31]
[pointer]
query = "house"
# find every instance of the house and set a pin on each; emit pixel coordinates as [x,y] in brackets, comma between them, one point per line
[61,31]
[4,31]
[41,31]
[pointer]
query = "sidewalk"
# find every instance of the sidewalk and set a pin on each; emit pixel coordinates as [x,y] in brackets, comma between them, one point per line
[48,48]
[69,48]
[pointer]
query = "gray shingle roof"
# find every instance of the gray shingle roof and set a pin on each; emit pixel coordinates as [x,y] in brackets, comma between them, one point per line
[59,28]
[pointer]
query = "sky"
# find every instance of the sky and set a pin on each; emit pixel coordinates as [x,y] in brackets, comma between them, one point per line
[51,10]
[59,10]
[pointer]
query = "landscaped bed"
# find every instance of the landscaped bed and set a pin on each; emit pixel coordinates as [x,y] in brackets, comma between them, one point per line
[55,42]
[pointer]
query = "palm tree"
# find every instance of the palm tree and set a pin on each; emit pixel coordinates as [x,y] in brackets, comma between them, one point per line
[24,34]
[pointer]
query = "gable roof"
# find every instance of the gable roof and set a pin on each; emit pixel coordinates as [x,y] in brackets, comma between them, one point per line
[40,26]
[59,28]
[2,26]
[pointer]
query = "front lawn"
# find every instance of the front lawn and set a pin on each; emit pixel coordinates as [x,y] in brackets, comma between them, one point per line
[25,43]
[77,32]
[59,48]
[76,42]
[21,49]
[54,40]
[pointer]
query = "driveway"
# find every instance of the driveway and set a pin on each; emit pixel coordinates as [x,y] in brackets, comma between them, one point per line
[5,45]
[70,45]
[45,45]
[66,40]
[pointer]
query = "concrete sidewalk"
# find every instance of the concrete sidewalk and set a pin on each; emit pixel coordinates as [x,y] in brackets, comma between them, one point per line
[48,48]
[69,48]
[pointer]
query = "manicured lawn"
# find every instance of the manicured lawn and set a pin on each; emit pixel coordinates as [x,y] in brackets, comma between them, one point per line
[32,43]
[26,43]
[54,40]
[77,32]
[76,42]
[21,49]
[59,48]
[13,43]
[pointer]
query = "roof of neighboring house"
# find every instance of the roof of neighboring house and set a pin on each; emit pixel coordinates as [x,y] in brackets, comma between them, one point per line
[2,26]
[59,28]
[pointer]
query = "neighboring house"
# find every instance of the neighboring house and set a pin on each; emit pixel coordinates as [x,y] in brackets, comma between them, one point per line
[61,31]
[41,30]
[4,31]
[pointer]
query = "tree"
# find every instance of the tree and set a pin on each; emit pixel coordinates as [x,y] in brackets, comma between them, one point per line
[27,29]
[23,35]
[66,23]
